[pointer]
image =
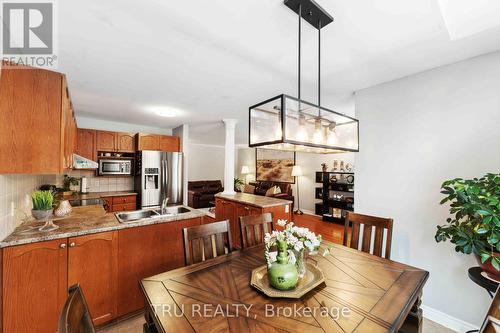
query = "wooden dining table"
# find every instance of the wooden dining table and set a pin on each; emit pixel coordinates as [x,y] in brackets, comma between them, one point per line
[361,293]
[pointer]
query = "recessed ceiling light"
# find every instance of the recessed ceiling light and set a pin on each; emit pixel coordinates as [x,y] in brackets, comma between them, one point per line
[165,111]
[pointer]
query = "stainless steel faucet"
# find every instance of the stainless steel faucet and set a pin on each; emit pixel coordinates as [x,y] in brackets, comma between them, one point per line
[164,204]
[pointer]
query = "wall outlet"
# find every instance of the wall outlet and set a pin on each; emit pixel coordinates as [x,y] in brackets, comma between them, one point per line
[12,208]
[287,208]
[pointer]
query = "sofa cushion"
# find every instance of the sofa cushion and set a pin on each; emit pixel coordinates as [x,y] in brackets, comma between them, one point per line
[249,189]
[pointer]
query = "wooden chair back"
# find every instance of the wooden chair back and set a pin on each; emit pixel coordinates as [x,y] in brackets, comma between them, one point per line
[366,237]
[75,316]
[207,241]
[254,227]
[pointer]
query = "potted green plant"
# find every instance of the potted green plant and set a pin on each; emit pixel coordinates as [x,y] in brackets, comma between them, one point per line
[238,184]
[42,204]
[474,225]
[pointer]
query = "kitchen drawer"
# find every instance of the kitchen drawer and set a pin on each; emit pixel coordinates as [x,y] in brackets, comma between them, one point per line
[124,207]
[124,199]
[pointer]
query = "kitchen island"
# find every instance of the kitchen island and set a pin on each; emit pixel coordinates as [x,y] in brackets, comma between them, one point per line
[232,206]
[107,258]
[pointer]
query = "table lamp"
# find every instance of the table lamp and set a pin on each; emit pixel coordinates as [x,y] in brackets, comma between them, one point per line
[245,170]
[297,172]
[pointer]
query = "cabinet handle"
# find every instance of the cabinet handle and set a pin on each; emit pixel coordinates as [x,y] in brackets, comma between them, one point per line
[247,208]
[62,246]
[72,244]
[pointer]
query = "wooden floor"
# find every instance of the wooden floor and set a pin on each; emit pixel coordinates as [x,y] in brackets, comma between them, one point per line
[332,232]
[134,325]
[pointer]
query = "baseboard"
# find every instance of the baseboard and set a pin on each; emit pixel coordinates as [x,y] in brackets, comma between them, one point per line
[446,320]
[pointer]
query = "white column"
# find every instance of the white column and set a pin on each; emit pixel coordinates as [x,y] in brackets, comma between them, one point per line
[229,156]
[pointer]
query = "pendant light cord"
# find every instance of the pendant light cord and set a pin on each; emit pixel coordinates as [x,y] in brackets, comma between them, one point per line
[300,47]
[319,66]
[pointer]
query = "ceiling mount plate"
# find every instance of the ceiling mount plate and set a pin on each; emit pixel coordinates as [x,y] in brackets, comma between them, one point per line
[311,12]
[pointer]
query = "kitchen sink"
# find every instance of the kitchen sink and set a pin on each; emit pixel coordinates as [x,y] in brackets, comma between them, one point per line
[173,210]
[129,217]
[135,215]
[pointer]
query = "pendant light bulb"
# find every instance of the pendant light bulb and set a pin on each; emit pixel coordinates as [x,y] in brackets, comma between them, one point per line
[318,135]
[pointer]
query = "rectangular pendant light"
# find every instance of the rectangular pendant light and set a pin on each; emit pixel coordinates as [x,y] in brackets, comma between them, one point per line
[286,123]
[289,123]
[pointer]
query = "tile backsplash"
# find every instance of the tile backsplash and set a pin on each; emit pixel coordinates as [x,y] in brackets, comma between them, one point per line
[100,184]
[15,199]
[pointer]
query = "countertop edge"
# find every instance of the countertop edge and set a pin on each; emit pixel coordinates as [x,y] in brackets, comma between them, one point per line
[119,226]
[277,201]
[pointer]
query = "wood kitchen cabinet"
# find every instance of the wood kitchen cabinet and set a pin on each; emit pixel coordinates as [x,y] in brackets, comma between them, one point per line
[231,210]
[170,143]
[148,141]
[158,142]
[93,263]
[106,141]
[146,251]
[34,286]
[125,142]
[36,277]
[36,120]
[86,143]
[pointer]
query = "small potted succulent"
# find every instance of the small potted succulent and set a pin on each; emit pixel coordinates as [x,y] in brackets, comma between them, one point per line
[474,225]
[42,204]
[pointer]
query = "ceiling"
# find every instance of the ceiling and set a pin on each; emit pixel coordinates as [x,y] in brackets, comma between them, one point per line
[208,60]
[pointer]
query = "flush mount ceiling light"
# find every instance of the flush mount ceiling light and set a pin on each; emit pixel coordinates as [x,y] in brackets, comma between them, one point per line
[164,111]
[288,123]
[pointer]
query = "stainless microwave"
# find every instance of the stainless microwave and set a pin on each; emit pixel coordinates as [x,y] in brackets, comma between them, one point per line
[108,167]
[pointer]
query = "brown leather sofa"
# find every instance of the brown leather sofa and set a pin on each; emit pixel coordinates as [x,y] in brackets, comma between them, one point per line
[286,189]
[201,193]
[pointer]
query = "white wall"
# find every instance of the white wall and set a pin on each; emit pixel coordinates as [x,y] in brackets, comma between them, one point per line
[206,162]
[415,133]
[309,163]
[108,125]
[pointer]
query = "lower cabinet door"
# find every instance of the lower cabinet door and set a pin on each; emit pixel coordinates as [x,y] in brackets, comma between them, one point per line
[34,286]
[144,252]
[93,263]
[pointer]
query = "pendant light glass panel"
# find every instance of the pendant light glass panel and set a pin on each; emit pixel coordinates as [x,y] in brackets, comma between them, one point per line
[302,127]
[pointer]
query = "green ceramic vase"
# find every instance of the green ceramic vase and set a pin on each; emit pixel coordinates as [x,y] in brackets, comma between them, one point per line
[282,274]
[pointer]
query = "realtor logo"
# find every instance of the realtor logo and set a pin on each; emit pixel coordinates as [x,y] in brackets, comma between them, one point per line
[28,33]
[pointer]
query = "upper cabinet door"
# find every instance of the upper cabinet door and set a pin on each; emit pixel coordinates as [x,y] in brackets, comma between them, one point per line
[106,141]
[34,286]
[86,143]
[169,143]
[148,142]
[93,263]
[30,121]
[125,142]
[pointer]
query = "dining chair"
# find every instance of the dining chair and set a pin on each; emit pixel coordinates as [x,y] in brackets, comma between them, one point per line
[254,227]
[492,321]
[379,223]
[75,316]
[207,241]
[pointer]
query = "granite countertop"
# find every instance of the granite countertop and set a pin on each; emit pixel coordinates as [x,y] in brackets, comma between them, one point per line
[84,220]
[97,195]
[254,200]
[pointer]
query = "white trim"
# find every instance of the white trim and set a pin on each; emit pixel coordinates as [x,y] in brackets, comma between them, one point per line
[446,320]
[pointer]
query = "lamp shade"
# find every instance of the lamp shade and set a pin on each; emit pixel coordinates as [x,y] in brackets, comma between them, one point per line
[245,170]
[296,171]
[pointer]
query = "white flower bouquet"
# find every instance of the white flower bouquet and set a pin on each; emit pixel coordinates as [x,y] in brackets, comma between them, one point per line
[297,239]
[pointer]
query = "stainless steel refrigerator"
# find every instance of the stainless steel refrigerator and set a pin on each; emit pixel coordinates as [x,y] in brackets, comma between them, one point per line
[158,176]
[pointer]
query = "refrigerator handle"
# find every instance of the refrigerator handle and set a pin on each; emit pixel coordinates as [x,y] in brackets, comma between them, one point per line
[167,175]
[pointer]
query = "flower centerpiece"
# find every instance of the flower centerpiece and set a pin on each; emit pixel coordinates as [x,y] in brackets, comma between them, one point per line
[291,242]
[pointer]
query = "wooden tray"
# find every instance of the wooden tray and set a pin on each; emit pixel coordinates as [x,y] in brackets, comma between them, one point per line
[313,278]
